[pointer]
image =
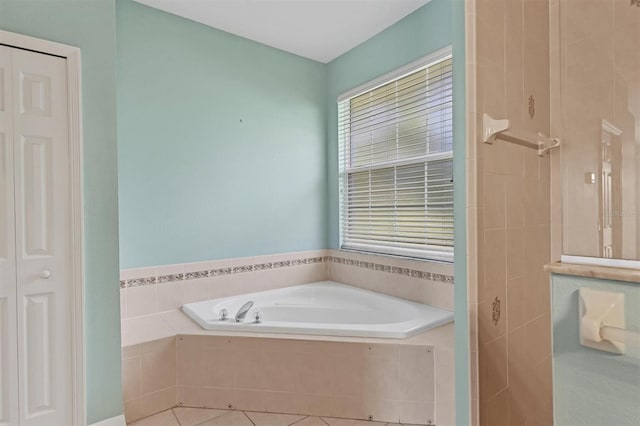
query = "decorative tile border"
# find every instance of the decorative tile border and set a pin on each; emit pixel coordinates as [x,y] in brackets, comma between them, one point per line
[429,276]
[161,279]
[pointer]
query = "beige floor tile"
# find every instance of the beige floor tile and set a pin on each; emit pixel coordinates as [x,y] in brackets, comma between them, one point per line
[273,419]
[165,418]
[310,421]
[194,416]
[350,422]
[234,418]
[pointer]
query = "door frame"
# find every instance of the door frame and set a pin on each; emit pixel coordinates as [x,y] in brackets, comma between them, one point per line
[74,96]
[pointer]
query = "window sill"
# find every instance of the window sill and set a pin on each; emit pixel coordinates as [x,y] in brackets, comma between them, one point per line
[396,257]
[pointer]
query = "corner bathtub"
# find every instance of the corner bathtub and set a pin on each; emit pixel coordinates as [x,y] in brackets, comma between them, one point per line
[325,308]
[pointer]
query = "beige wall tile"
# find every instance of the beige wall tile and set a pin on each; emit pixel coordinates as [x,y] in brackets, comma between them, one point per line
[130,351]
[141,300]
[538,332]
[279,374]
[190,396]
[417,376]
[157,345]
[495,264]
[196,290]
[123,303]
[496,412]
[158,401]
[133,410]
[252,400]
[516,259]
[313,373]
[491,89]
[587,18]
[232,285]
[190,366]
[515,203]
[445,413]
[158,368]
[170,296]
[347,378]
[242,344]
[284,402]
[381,372]
[493,368]
[516,302]
[219,398]
[417,413]
[382,410]
[490,25]
[218,365]
[495,207]
[131,388]
[250,372]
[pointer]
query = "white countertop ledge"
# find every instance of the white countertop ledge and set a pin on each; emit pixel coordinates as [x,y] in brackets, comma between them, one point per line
[593,271]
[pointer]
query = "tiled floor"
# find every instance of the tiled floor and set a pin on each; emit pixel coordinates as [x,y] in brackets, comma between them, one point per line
[183,416]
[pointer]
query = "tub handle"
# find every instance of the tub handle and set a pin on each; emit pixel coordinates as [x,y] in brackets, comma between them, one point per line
[224,314]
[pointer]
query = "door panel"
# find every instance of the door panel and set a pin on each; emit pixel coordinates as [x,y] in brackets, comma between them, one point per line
[36,195]
[39,392]
[8,327]
[41,163]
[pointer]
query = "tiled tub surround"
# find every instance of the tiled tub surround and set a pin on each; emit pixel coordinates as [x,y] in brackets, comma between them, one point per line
[406,382]
[145,291]
[284,373]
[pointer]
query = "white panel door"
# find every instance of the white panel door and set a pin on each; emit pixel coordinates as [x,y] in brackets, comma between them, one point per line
[8,328]
[43,227]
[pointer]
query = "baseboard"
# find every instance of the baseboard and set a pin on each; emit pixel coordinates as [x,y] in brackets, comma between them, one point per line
[113,421]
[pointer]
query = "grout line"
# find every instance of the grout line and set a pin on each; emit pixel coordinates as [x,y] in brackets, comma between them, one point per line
[247,416]
[299,420]
[175,416]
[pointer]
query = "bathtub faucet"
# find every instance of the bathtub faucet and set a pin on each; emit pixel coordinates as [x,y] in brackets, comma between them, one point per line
[242,312]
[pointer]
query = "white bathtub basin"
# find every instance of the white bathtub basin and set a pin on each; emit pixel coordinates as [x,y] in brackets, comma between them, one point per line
[326,308]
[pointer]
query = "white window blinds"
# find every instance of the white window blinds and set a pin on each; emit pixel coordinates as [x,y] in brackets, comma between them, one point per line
[396,166]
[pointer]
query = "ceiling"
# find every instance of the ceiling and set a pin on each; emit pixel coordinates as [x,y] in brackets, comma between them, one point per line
[320,30]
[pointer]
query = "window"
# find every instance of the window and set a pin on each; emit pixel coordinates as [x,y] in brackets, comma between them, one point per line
[396,163]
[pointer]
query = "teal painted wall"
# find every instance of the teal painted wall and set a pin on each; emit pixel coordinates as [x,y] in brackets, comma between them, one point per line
[461,311]
[438,24]
[221,143]
[590,387]
[90,25]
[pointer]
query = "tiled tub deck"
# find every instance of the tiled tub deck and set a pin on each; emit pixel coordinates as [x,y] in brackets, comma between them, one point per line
[408,381]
